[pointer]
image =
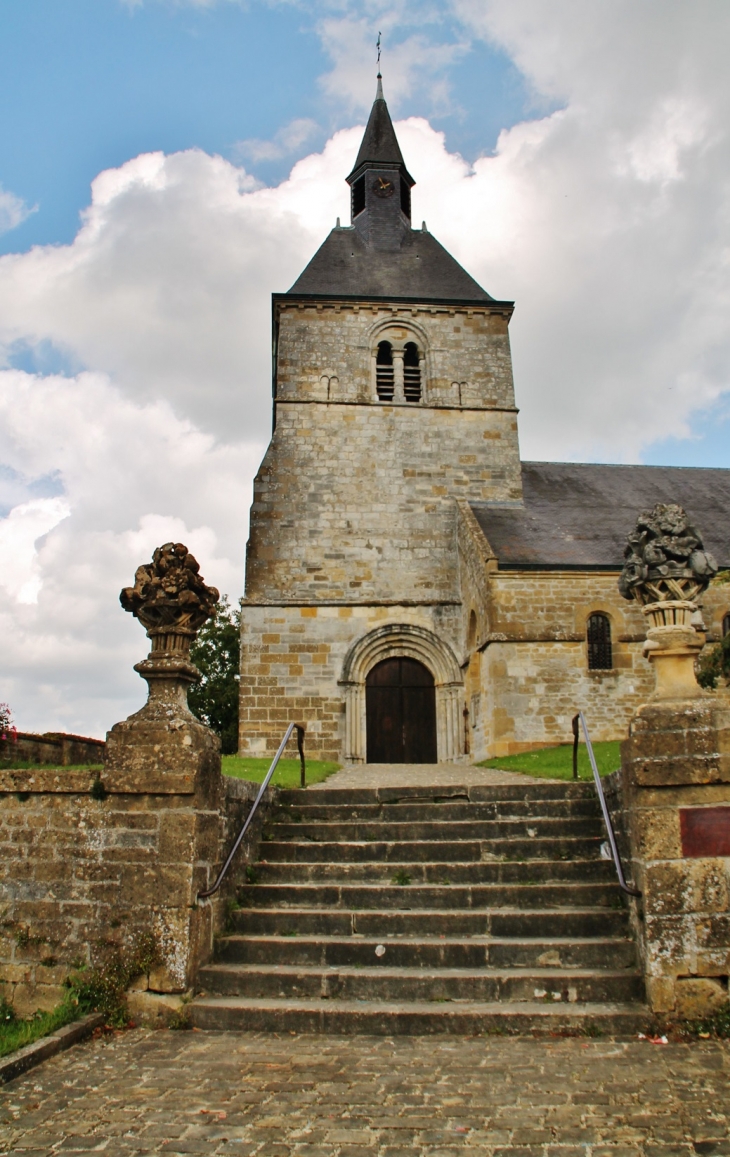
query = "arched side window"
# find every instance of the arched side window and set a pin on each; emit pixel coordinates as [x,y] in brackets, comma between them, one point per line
[471,637]
[411,373]
[384,379]
[598,636]
[726,625]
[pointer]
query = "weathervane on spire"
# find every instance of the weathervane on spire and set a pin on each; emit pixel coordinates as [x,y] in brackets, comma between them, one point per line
[378,48]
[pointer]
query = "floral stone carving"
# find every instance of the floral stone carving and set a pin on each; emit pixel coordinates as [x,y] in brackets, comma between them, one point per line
[665,568]
[169,595]
[171,600]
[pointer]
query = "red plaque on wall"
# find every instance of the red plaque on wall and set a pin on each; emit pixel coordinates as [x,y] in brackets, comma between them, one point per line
[705,831]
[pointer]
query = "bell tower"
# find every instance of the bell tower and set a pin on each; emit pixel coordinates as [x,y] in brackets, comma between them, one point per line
[393,398]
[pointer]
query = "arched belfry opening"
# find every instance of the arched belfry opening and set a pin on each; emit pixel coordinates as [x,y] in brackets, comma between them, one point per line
[400,710]
[411,372]
[384,372]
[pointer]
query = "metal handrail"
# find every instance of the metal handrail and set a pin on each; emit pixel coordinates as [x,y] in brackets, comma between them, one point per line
[299,727]
[606,816]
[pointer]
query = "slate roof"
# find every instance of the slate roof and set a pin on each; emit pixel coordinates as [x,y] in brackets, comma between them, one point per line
[577,515]
[379,144]
[422,270]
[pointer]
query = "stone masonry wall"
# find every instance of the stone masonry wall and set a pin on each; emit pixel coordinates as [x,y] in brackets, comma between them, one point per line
[325,351]
[77,872]
[354,498]
[676,789]
[292,661]
[534,671]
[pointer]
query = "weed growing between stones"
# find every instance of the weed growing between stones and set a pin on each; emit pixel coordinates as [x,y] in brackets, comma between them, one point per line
[103,987]
[717,1025]
[402,877]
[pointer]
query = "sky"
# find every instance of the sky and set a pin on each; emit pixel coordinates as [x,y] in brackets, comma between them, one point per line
[165,165]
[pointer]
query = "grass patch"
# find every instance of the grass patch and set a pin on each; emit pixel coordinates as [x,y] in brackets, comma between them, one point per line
[287,773]
[17,1032]
[557,762]
[26,765]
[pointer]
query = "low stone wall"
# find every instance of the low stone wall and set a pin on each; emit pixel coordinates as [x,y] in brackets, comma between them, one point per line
[56,748]
[78,873]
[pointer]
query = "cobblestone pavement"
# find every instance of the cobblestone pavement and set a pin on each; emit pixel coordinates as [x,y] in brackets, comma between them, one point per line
[421,775]
[248,1093]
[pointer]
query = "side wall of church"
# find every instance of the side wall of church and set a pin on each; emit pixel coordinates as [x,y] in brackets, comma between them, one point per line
[533,670]
[292,661]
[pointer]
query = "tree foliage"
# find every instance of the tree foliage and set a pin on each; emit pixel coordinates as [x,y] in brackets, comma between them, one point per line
[217,654]
[714,662]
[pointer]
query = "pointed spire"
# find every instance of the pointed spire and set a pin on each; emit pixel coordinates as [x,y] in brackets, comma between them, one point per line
[380,144]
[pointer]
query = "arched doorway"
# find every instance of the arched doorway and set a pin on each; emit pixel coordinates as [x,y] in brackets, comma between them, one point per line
[400,711]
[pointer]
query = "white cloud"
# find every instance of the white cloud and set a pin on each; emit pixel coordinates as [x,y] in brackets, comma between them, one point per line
[13,210]
[287,141]
[133,476]
[19,534]
[418,62]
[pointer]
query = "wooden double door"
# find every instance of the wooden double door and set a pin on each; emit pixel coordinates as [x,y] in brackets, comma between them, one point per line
[400,705]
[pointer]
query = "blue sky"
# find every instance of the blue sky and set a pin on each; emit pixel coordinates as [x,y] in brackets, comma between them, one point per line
[88,84]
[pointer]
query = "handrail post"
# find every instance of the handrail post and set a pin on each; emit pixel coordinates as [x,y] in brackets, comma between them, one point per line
[301,728]
[606,816]
[576,737]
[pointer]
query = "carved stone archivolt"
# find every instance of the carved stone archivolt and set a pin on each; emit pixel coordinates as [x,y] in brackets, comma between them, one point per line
[665,568]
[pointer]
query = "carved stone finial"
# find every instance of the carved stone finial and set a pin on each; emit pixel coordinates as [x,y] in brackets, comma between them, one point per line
[171,600]
[666,567]
[665,558]
[169,594]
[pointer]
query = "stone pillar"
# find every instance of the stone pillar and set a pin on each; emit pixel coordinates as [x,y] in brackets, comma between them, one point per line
[398,392]
[676,786]
[170,761]
[676,779]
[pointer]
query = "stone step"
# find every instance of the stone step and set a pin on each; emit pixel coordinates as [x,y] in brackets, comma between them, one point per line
[419,984]
[433,851]
[481,872]
[434,952]
[384,923]
[443,810]
[462,897]
[486,830]
[527,790]
[415,1018]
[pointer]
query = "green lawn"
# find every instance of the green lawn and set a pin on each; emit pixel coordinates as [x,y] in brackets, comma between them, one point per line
[15,1032]
[287,773]
[557,762]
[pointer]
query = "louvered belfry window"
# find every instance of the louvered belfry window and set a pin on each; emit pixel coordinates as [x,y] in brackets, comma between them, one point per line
[384,379]
[600,652]
[411,373]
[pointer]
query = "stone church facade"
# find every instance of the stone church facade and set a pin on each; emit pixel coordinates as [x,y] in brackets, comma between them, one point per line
[415,592]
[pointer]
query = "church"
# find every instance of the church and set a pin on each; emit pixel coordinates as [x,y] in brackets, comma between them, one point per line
[415,593]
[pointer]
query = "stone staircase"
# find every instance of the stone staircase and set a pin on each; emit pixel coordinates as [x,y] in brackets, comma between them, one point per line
[428,910]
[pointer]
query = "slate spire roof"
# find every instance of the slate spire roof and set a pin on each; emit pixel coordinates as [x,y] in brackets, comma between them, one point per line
[380,145]
[412,267]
